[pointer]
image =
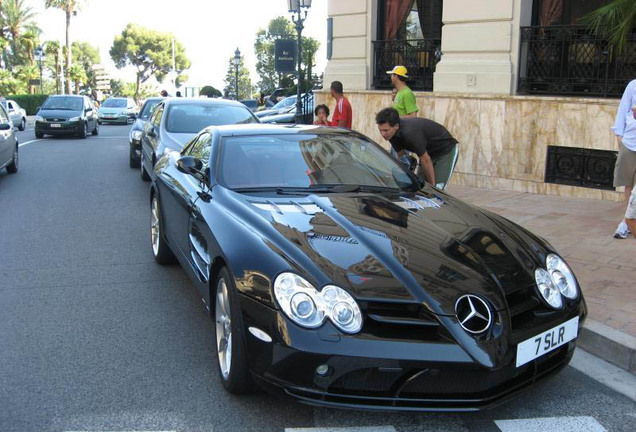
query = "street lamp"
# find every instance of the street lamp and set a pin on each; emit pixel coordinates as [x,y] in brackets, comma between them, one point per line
[295,7]
[237,60]
[39,55]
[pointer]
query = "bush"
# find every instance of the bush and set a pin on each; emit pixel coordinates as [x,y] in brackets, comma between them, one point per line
[30,102]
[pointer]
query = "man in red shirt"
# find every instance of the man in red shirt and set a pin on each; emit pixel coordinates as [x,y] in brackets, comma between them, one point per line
[342,114]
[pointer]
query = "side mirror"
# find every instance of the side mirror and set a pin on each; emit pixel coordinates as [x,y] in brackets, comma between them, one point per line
[5,126]
[38,108]
[191,165]
[88,110]
[410,162]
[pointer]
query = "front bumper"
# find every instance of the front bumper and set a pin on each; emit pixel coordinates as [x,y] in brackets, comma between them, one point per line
[383,374]
[64,128]
[120,118]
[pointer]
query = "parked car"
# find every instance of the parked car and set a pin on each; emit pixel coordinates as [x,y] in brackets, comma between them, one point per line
[118,110]
[66,115]
[289,114]
[8,143]
[175,121]
[340,278]
[134,136]
[251,104]
[16,114]
[281,107]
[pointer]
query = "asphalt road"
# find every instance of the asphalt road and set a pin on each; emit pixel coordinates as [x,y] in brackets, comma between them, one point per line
[95,336]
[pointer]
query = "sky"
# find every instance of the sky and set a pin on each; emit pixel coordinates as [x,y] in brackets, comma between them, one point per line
[210,30]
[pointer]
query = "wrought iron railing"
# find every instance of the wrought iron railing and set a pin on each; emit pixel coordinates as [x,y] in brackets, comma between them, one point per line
[572,60]
[418,55]
[307,108]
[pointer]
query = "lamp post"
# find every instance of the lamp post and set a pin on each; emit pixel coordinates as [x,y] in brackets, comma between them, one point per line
[295,8]
[39,55]
[237,61]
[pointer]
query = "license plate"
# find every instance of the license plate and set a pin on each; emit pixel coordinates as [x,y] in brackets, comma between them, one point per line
[56,125]
[547,341]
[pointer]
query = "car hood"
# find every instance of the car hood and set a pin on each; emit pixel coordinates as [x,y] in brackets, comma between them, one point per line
[112,111]
[279,118]
[270,112]
[176,141]
[59,114]
[424,247]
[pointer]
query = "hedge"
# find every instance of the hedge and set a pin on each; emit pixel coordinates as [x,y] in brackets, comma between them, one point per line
[30,102]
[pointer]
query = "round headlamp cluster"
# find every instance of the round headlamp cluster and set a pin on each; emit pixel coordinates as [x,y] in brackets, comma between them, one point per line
[308,307]
[556,282]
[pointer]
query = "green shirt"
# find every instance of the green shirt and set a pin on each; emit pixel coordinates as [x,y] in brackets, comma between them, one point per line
[404,102]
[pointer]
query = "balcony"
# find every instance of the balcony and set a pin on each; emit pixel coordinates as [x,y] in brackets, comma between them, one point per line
[418,55]
[572,61]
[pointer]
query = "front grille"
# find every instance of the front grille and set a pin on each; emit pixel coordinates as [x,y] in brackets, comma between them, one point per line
[408,314]
[55,120]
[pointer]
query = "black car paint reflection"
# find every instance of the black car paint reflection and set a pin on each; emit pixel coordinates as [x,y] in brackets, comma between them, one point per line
[405,254]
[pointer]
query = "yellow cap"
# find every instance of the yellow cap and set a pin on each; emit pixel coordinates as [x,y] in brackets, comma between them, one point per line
[398,70]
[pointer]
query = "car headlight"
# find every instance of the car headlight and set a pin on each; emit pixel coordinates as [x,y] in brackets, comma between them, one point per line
[38,118]
[548,290]
[309,308]
[72,119]
[562,276]
[135,134]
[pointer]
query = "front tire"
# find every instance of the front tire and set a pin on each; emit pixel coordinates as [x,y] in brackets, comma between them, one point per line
[22,124]
[142,169]
[96,130]
[39,135]
[12,168]
[132,159]
[231,352]
[160,249]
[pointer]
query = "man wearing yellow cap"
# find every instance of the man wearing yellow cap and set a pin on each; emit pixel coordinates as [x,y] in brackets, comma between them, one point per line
[404,101]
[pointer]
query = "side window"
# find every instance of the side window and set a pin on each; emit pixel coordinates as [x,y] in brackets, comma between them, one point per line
[201,149]
[10,106]
[4,119]
[156,116]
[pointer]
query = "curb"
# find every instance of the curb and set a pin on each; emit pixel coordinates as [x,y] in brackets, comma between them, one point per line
[612,345]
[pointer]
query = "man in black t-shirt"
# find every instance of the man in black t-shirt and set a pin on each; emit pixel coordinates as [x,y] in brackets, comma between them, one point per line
[433,144]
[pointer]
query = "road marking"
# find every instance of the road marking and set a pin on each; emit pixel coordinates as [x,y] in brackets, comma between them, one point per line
[552,424]
[29,142]
[606,373]
[344,429]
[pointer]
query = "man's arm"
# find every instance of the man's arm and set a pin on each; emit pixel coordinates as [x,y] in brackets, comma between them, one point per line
[623,108]
[427,167]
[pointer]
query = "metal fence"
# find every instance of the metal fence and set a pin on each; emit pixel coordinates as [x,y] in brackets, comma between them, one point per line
[307,105]
[420,57]
[571,60]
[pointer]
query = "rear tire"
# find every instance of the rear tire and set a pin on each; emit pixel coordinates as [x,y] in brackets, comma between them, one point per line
[22,124]
[12,168]
[160,249]
[84,132]
[231,351]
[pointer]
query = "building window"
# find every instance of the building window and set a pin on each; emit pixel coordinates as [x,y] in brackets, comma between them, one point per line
[561,57]
[409,34]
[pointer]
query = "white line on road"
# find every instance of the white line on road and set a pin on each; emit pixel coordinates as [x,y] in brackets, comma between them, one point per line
[29,142]
[552,424]
[344,429]
[606,373]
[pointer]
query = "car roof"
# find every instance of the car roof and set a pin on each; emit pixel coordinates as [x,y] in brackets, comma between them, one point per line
[67,95]
[199,101]
[273,129]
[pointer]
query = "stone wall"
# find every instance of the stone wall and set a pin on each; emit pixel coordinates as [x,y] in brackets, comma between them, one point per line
[503,139]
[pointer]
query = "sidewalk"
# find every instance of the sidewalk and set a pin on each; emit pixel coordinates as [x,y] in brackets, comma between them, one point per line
[581,230]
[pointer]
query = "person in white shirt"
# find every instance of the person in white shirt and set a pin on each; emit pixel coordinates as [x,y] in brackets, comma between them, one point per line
[625,130]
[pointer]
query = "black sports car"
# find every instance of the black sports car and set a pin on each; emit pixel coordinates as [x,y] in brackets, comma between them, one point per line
[337,276]
[134,136]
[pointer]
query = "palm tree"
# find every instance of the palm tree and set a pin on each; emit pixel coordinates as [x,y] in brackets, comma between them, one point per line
[78,75]
[52,50]
[30,39]
[15,17]
[69,7]
[616,19]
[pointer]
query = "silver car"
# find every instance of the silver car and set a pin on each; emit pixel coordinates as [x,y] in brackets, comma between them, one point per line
[8,143]
[17,114]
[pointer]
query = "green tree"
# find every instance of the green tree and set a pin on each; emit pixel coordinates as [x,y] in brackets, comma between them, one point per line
[86,55]
[69,7]
[244,80]
[264,46]
[210,91]
[616,19]
[52,59]
[78,75]
[150,52]
[16,17]
[117,86]
[8,83]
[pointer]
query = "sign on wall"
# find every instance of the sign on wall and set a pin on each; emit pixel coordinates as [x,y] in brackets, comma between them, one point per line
[285,55]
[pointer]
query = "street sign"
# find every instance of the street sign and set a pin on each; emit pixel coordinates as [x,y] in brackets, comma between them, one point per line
[285,55]
[34,82]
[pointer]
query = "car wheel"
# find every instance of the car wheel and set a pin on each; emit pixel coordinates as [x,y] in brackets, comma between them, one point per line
[99,122]
[22,124]
[96,130]
[39,135]
[12,168]
[231,352]
[84,132]
[142,170]
[133,160]
[160,249]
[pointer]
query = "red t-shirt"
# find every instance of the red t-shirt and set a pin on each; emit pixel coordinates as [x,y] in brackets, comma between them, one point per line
[342,112]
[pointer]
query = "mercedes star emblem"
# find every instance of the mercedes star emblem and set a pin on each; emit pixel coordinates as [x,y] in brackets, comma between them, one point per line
[473,314]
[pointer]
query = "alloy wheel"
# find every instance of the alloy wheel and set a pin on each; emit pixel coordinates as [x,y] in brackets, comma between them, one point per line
[223,328]
[155,226]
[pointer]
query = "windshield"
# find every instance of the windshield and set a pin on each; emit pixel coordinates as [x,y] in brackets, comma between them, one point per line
[192,117]
[308,161]
[63,103]
[148,108]
[115,103]
[285,102]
